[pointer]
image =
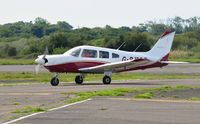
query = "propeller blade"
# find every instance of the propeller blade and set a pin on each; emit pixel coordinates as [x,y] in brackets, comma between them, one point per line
[46,51]
[37,68]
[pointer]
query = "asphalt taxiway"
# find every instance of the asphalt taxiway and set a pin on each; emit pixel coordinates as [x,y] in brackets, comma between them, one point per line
[99,110]
[119,111]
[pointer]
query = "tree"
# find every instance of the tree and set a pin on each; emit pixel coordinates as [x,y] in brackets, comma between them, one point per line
[155,28]
[64,26]
[58,40]
[40,26]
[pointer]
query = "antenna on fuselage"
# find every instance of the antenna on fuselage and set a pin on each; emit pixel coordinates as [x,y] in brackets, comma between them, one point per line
[137,48]
[121,45]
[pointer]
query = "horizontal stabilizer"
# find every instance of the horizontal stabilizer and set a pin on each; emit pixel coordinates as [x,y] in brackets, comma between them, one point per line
[173,62]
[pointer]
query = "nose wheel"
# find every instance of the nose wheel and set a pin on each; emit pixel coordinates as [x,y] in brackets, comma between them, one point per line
[106,79]
[54,81]
[79,79]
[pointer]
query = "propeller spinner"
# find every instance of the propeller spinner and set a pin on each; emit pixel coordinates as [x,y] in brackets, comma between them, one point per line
[41,60]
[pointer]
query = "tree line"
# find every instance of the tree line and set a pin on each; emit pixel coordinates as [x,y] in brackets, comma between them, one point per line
[28,39]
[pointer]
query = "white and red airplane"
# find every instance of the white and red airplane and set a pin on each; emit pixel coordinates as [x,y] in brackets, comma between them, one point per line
[91,59]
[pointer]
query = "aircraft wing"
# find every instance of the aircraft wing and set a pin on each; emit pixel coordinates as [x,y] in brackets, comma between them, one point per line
[117,66]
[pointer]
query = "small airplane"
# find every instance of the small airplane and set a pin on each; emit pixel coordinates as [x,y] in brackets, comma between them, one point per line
[91,59]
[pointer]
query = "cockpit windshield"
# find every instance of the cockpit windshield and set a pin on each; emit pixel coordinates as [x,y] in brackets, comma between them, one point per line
[74,52]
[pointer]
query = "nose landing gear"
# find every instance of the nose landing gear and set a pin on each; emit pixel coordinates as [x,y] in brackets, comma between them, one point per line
[55,80]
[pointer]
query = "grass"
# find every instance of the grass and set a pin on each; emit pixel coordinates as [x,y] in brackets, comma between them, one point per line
[112,92]
[146,95]
[28,110]
[16,103]
[141,93]
[195,99]
[185,56]
[17,61]
[16,83]
[29,78]
[152,92]
[191,60]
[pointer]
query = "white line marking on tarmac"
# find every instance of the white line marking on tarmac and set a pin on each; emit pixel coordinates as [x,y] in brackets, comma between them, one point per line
[53,109]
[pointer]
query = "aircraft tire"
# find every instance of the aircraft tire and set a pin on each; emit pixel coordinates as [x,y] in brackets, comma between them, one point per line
[106,80]
[54,81]
[79,79]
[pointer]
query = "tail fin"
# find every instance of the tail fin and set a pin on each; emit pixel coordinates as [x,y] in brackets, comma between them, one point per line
[163,46]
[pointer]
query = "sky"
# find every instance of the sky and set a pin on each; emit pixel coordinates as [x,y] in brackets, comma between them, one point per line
[97,13]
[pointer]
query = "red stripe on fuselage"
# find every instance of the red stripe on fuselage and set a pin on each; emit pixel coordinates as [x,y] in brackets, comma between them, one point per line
[72,67]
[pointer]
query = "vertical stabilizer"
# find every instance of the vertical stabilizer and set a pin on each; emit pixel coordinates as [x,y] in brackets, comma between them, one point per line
[163,46]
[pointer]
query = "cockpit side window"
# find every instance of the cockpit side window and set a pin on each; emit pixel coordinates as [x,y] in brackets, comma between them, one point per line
[103,54]
[76,52]
[89,53]
[114,55]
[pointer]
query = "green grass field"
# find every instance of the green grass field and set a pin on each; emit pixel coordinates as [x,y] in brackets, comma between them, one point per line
[142,93]
[28,78]
[191,60]
[17,61]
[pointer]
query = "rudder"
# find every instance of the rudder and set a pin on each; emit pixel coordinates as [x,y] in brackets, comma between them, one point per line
[163,46]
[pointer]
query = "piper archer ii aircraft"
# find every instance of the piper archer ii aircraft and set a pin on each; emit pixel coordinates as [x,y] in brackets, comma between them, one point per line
[91,59]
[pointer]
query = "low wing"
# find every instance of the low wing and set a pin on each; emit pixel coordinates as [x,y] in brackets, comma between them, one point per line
[117,66]
[173,62]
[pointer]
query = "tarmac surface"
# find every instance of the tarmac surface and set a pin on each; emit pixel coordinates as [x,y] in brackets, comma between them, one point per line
[100,110]
[113,111]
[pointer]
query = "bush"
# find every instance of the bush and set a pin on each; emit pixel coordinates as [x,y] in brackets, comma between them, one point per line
[12,51]
[59,50]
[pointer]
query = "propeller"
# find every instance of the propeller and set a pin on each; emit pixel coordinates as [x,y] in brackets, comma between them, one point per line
[37,68]
[41,60]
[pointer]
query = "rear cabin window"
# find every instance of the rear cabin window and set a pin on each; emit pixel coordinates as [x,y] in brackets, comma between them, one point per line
[89,53]
[114,55]
[103,54]
[75,52]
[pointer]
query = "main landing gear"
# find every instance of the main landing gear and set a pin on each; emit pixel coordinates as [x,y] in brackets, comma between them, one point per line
[106,79]
[79,79]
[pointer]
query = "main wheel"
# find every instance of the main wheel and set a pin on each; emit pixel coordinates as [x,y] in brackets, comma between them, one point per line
[54,81]
[106,80]
[79,79]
